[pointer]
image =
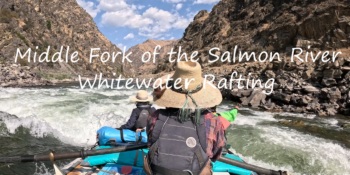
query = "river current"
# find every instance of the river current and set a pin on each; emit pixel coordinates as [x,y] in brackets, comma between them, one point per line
[66,118]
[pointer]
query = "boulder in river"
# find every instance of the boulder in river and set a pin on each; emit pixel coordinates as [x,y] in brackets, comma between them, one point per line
[310,89]
[328,82]
[282,97]
[298,123]
[256,98]
[332,73]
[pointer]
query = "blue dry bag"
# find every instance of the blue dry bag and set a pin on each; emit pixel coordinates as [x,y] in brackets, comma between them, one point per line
[110,136]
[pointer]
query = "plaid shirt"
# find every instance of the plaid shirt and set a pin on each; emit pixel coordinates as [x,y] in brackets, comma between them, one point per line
[214,133]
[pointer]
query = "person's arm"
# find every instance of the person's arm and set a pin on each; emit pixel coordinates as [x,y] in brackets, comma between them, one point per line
[219,141]
[230,115]
[131,122]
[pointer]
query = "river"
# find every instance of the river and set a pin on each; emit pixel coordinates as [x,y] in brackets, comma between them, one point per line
[65,118]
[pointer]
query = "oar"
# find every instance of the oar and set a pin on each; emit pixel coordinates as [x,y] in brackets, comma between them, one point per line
[71,155]
[84,153]
[250,167]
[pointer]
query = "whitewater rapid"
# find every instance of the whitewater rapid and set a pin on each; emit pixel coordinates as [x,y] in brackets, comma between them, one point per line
[73,116]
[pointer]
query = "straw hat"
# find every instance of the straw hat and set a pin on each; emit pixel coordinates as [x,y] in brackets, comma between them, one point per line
[142,96]
[205,96]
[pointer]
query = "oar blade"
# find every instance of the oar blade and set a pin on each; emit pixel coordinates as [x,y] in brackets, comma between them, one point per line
[57,170]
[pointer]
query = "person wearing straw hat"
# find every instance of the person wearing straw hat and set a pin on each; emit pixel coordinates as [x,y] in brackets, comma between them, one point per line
[139,115]
[184,136]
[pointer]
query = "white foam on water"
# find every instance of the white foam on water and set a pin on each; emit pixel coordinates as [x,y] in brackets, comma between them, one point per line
[254,119]
[38,128]
[333,157]
[72,115]
[318,152]
[41,169]
[260,163]
[309,116]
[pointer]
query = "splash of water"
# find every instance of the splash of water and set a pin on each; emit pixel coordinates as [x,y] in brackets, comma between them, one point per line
[73,116]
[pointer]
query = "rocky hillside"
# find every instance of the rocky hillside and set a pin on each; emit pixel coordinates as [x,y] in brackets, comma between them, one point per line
[137,67]
[29,23]
[267,25]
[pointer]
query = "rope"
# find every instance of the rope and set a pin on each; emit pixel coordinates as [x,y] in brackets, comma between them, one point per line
[185,111]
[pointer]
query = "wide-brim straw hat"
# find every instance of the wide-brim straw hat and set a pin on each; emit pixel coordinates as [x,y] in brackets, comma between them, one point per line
[142,96]
[205,96]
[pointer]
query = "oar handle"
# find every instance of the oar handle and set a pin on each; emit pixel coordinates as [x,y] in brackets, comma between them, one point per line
[71,155]
[250,167]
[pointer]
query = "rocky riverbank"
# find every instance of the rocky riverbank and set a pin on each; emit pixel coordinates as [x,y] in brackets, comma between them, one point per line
[300,87]
[15,75]
[20,76]
[320,88]
[277,26]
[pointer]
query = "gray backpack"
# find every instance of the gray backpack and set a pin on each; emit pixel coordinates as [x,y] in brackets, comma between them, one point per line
[142,119]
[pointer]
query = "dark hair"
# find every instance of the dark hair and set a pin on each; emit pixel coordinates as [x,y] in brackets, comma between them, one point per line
[213,109]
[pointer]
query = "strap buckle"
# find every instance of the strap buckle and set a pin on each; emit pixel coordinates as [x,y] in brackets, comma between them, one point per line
[189,172]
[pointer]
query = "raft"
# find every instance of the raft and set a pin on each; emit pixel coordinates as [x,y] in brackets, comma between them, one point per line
[131,162]
[124,163]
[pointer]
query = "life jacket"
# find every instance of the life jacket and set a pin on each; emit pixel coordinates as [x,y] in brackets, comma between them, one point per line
[177,148]
[142,117]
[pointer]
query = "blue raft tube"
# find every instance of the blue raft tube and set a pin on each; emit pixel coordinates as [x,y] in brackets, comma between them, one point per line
[131,162]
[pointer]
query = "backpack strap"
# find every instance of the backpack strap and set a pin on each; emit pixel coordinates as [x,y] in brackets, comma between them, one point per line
[201,132]
[138,112]
[136,156]
[122,136]
[140,136]
[199,158]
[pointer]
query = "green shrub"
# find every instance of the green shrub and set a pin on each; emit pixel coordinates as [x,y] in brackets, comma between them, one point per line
[50,64]
[43,75]
[43,47]
[2,61]
[5,20]
[285,5]
[54,76]
[229,32]
[40,35]
[29,25]
[23,38]
[6,15]
[257,49]
[48,24]
[23,62]
[63,76]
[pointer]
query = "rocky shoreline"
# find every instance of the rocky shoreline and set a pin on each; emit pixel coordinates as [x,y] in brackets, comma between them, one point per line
[15,75]
[319,88]
[20,76]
